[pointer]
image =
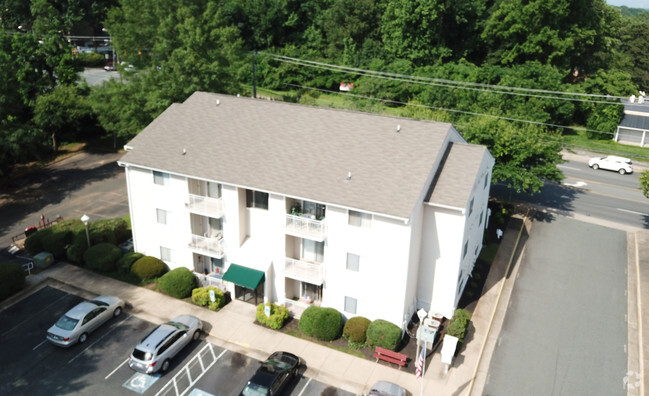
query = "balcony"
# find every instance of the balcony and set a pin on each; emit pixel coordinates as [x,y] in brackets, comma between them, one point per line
[212,207]
[210,246]
[304,271]
[306,226]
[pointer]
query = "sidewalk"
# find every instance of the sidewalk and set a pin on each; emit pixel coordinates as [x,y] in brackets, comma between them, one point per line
[233,326]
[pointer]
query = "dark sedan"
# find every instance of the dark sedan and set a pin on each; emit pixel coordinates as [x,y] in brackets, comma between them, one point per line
[273,375]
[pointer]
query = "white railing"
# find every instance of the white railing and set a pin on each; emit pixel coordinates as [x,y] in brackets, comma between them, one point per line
[187,377]
[207,280]
[306,226]
[296,308]
[28,266]
[211,246]
[212,207]
[304,271]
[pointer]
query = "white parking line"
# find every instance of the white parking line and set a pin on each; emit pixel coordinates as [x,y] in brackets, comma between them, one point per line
[631,211]
[35,314]
[304,388]
[98,339]
[34,348]
[116,368]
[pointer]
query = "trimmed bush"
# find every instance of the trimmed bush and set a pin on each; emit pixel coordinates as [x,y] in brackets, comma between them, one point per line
[458,324]
[384,334]
[113,230]
[126,261]
[322,323]
[355,331]
[77,247]
[201,297]
[148,267]
[102,257]
[53,239]
[178,282]
[12,278]
[278,315]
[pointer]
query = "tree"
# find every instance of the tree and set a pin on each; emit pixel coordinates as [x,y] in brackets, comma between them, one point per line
[644,183]
[61,112]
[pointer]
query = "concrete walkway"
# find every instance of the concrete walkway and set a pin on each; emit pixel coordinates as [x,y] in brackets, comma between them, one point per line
[233,326]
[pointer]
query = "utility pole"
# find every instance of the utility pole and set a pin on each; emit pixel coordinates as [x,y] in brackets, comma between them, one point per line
[254,72]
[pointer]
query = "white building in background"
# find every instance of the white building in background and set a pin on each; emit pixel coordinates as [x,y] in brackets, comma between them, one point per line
[373,215]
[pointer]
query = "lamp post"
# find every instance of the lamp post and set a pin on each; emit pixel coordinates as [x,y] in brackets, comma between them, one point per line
[85,219]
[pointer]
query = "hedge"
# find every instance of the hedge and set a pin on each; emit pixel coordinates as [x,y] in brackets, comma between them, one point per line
[12,278]
[148,267]
[201,297]
[458,324]
[322,323]
[178,282]
[53,239]
[126,261]
[355,331]
[102,257]
[114,230]
[278,315]
[383,334]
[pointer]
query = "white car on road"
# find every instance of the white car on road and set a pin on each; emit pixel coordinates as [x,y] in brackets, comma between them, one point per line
[618,164]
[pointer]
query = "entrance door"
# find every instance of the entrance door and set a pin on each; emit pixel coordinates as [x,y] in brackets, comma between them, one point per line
[248,295]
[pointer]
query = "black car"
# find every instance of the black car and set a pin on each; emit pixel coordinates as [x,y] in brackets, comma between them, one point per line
[273,375]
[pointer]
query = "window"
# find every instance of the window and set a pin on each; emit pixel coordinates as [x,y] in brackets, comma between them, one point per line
[466,248]
[312,251]
[486,179]
[165,254]
[161,215]
[471,206]
[359,219]
[160,178]
[213,190]
[481,216]
[216,265]
[314,209]
[350,305]
[310,292]
[256,199]
[353,262]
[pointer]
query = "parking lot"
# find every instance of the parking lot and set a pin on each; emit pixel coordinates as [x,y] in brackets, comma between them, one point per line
[30,365]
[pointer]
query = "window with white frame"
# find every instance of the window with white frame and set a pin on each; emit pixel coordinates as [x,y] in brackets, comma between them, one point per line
[471,206]
[256,199]
[165,254]
[466,249]
[160,178]
[161,216]
[353,262]
[486,179]
[359,219]
[213,190]
[350,305]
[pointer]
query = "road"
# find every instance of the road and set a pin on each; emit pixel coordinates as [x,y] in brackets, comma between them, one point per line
[602,194]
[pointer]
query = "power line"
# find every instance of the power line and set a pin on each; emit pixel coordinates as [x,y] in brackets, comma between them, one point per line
[454,110]
[488,88]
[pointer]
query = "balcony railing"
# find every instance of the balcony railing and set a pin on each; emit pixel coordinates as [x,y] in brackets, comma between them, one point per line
[207,280]
[296,308]
[210,246]
[304,271]
[306,226]
[212,207]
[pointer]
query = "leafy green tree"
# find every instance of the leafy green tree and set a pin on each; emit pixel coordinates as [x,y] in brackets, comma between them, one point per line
[61,112]
[634,41]
[644,183]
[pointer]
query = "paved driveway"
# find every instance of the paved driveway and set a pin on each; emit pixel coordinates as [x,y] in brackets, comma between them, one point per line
[89,182]
[565,332]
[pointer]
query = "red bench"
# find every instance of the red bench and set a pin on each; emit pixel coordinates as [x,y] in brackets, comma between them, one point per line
[390,356]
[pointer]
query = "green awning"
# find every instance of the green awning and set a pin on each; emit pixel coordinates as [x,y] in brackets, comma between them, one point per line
[243,276]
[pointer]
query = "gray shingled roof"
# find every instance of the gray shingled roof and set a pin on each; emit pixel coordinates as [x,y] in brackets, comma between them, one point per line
[296,150]
[453,184]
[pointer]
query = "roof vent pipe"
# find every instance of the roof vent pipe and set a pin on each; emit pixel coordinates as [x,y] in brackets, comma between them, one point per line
[218,102]
[398,127]
[349,175]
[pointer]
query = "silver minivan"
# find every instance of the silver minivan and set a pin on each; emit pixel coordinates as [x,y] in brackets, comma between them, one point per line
[156,350]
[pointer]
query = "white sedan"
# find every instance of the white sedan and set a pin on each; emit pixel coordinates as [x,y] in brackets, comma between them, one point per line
[617,164]
[81,320]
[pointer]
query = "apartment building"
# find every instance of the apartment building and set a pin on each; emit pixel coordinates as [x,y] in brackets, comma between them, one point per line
[373,215]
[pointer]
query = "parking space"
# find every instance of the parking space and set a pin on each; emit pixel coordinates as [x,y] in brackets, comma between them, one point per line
[30,365]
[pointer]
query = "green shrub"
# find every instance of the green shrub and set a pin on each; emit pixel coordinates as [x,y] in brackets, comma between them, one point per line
[102,257]
[12,278]
[384,334]
[178,282]
[278,315]
[54,239]
[458,324]
[126,261]
[114,230]
[148,267]
[323,323]
[355,331]
[201,297]
[77,248]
